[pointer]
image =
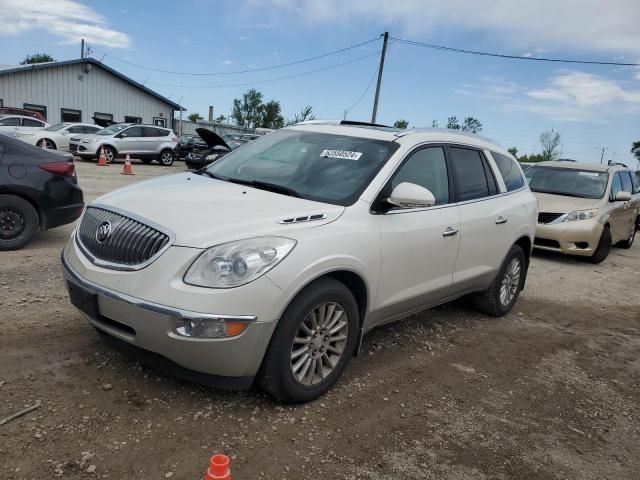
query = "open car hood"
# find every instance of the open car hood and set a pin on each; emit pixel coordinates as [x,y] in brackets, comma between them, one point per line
[211,139]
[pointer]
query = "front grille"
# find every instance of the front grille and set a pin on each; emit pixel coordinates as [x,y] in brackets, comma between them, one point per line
[545,242]
[129,245]
[547,217]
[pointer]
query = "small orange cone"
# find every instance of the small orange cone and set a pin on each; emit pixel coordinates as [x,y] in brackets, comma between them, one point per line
[102,159]
[127,169]
[218,468]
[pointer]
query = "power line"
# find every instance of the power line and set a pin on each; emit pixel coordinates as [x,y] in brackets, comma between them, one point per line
[259,69]
[271,79]
[512,57]
[375,72]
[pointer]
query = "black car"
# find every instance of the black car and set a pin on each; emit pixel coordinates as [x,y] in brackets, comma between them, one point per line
[38,191]
[188,142]
[215,148]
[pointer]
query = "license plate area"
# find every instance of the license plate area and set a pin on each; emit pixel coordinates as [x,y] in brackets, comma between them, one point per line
[84,300]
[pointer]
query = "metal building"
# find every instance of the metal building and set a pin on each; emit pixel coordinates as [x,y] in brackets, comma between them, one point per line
[78,90]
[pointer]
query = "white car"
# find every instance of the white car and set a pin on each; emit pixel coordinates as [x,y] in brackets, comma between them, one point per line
[272,262]
[9,123]
[55,137]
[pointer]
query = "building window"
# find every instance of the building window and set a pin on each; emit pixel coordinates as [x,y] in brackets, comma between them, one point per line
[159,121]
[129,119]
[70,115]
[103,119]
[36,108]
[1,103]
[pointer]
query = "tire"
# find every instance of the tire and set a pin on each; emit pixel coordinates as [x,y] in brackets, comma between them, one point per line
[632,236]
[109,153]
[146,161]
[603,248]
[19,222]
[277,372]
[166,158]
[50,144]
[502,294]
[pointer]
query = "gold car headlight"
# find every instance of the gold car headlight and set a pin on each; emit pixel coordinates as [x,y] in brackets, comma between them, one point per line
[581,215]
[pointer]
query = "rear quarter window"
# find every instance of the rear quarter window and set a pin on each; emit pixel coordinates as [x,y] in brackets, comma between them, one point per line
[510,172]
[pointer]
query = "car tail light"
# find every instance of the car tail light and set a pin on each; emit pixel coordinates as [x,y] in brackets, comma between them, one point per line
[66,169]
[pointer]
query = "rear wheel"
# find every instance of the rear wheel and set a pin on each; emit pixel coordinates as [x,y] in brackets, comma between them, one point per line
[604,247]
[503,292]
[19,222]
[166,158]
[312,344]
[46,143]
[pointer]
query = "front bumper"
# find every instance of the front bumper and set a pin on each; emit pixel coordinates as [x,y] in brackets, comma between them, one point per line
[148,328]
[580,237]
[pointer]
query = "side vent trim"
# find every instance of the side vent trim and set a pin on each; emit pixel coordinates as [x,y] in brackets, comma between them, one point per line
[307,218]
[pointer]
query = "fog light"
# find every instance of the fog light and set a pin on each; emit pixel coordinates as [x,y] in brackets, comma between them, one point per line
[209,328]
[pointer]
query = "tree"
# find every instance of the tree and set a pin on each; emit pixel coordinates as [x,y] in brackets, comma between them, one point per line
[401,124]
[221,119]
[37,58]
[194,117]
[452,123]
[435,124]
[471,124]
[305,114]
[513,151]
[247,111]
[550,141]
[271,116]
[533,158]
[635,149]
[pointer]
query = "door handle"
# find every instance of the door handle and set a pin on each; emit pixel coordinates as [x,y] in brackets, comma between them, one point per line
[500,220]
[450,232]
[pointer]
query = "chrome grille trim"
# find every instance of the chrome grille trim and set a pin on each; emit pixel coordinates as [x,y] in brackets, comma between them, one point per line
[133,244]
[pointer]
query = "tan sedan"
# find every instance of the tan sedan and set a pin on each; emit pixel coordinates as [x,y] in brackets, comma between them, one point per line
[584,208]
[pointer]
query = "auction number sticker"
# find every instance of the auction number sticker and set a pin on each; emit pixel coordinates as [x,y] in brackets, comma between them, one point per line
[343,154]
[589,174]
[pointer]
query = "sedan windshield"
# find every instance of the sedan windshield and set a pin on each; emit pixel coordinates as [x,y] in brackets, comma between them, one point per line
[56,127]
[567,181]
[316,166]
[111,130]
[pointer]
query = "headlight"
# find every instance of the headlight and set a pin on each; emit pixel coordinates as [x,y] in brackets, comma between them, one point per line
[237,263]
[581,215]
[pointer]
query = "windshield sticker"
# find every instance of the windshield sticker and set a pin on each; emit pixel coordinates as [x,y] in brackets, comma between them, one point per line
[589,174]
[343,154]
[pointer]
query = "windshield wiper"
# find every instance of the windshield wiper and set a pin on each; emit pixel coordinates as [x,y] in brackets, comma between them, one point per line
[204,171]
[271,187]
[552,192]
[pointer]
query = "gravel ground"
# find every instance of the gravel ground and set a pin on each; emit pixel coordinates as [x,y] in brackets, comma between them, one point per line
[550,391]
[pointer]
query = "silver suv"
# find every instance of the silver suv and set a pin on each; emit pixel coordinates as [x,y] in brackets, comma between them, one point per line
[146,142]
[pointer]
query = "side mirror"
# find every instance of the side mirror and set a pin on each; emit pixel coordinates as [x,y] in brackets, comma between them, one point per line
[410,195]
[622,197]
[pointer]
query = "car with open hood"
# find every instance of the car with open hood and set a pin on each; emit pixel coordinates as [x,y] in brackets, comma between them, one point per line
[271,263]
[215,147]
[584,207]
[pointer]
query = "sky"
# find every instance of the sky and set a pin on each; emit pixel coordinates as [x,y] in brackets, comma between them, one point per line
[592,107]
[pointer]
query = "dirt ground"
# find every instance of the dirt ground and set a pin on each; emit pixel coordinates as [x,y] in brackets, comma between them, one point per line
[552,391]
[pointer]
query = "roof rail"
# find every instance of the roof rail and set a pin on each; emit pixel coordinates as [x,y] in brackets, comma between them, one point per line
[363,124]
[402,133]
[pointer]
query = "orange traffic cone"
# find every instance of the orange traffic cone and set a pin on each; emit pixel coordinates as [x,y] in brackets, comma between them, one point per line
[218,468]
[102,159]
[127,169]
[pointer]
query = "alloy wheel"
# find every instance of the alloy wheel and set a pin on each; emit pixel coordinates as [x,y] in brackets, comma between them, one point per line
[510,281]
[166,158]
[12,224]
[319,343]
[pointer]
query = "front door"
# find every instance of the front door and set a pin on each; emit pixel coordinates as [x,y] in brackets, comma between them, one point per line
[419,246]
[131,141]
[622,214]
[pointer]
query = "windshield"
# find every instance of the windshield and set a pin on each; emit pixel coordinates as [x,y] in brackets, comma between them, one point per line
[316,166]
[113,129]
[567,181]
[56,127]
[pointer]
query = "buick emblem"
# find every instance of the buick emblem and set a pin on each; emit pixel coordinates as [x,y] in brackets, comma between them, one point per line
[103,231]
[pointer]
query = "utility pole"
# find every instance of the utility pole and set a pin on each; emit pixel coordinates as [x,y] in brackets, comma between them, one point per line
[82,49]
[375,102]
[602,155]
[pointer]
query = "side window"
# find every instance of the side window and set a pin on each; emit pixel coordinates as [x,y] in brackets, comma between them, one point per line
[616,186]
[134,132]
[426,167]
[76,129]
[27,122]
[627,186]
[10,122]
[149,132]
[88,129]
[473,179]
[509,171]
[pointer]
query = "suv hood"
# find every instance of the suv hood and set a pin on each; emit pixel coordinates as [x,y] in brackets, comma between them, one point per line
[211,139]
[563,204]
[203,212]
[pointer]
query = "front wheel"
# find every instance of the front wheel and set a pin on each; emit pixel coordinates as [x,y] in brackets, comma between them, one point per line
[109,154]
[503,292]
[312,344]
[46,143]
[19,222]
[167,157]
[603,248]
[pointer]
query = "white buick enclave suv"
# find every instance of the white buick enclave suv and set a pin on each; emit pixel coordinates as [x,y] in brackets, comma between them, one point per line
[272,262]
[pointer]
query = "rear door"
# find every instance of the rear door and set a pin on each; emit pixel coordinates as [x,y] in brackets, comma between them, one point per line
[485,220]
[630,207]
[152,139]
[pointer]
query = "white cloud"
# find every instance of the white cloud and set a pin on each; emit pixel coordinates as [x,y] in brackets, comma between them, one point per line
[590,25]
[67,19]
[184,39]
[227,62]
